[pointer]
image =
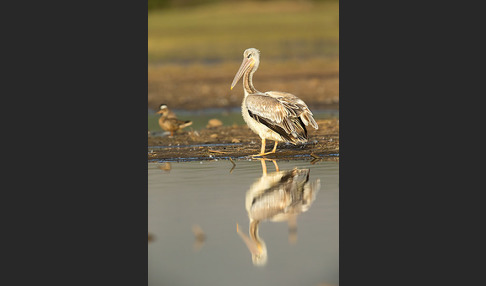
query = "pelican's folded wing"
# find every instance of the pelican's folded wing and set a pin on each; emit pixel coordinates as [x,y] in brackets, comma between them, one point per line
[277,116]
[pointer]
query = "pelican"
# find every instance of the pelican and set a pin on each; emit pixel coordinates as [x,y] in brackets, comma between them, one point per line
[276,196]
[273,115]
[169,122]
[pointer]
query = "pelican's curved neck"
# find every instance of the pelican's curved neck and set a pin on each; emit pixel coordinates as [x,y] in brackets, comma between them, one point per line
[254,231]
[248,82]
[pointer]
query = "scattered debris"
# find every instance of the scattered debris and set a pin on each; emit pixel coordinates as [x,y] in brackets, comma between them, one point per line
[212,123]
[216,151]
[199,236]
[193,135]
[165,167]
[315,156]
[151,237]
[198,232]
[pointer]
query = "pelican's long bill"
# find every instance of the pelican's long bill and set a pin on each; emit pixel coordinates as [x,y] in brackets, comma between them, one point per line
[245,65]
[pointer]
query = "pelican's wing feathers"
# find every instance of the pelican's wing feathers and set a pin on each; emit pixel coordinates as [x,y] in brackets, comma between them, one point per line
[283,113]
[298,105]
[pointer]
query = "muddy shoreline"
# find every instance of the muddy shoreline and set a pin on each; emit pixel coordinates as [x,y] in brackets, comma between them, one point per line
[238,142]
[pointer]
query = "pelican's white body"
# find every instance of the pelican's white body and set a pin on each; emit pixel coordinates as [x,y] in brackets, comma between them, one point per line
[263,131]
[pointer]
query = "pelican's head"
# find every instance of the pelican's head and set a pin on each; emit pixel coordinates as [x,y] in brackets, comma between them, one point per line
[251,60]
[162,109]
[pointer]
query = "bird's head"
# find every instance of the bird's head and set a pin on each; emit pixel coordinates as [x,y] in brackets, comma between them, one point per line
[162,109]
[251,60]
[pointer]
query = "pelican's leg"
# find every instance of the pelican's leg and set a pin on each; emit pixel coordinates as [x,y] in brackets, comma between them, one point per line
[275,147]
[262,151]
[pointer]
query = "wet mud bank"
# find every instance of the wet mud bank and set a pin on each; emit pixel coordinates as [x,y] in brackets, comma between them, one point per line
[238,142]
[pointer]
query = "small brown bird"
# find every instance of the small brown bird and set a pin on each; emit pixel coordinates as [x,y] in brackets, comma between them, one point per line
[169,122]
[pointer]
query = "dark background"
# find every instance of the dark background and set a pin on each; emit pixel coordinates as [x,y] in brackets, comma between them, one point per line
[68,221]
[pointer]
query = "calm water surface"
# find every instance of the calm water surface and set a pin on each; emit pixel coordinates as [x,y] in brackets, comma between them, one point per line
[288,223]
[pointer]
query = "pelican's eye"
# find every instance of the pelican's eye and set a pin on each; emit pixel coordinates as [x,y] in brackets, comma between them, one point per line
[249,56]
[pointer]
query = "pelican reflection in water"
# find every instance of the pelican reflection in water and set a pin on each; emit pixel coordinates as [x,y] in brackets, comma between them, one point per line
[276,196]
